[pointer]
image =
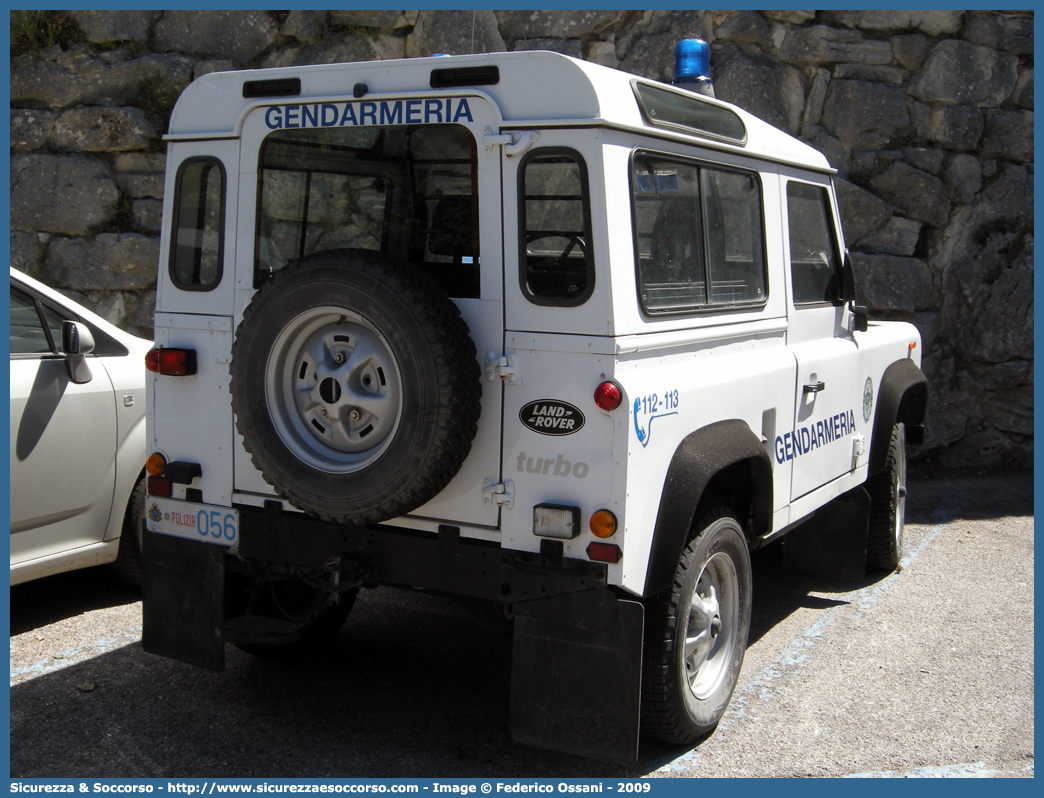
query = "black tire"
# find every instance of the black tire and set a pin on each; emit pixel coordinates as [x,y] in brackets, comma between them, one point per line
[884,542]
[355,386]
[682,704]
[127,565]
[289,600]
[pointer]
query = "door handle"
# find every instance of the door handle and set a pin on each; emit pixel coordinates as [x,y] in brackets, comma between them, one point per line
[814,387]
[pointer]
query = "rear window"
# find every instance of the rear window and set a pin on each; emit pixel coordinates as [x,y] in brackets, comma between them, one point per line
[406,191]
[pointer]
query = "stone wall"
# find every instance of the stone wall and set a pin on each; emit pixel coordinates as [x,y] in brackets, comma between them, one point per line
[927,116]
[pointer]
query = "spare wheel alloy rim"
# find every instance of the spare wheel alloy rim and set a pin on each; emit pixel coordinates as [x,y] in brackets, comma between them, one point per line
[334,390]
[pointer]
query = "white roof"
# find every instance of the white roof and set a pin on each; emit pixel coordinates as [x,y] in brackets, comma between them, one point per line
[534,89]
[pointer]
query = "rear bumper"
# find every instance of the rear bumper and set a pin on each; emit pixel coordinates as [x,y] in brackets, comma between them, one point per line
[336,556]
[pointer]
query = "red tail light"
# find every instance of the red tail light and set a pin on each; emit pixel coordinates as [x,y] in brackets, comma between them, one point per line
[173,362]
[608,395]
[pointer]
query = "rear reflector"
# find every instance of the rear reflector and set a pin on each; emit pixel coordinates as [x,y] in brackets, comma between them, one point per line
[172,362]
[604,552]
[157,486]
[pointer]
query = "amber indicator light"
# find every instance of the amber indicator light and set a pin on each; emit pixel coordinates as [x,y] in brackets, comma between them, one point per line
[603,524]
[155,464]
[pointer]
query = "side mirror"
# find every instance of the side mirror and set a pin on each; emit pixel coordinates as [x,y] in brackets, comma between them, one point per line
[848,286]
[859,312]
[848,295]
[77,343]
[859,318]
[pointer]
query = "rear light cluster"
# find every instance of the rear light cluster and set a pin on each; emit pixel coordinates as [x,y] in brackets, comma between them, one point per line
[163,475]
[603,525]
[608,395]
[155,465]
[172,362]
[563,522]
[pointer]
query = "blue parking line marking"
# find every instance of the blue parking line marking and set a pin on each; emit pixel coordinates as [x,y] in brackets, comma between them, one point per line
[76,655]
[796,655]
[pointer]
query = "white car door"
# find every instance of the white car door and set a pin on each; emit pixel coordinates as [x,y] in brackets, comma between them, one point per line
[63,440]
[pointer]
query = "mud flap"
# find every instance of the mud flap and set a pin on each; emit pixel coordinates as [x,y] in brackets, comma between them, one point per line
[832,543]
[183,586]
[576,675]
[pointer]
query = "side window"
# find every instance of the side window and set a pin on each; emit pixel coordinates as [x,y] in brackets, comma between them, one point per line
[699,237]
[735,243]
[814,260]
[36,327]
[197,231]
[556,262]
[28,334]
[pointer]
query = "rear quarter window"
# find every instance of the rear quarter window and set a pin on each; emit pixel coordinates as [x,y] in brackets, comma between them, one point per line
[556,262]
[197,245]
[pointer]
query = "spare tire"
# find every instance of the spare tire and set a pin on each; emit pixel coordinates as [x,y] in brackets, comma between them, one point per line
[355,386]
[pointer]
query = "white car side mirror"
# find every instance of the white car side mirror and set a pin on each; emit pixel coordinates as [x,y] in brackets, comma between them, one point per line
[77,343]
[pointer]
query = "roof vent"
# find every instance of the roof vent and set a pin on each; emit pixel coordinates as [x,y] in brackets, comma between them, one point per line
[464,76]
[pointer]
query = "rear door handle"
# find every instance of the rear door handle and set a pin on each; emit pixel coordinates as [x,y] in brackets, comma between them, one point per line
[814,387]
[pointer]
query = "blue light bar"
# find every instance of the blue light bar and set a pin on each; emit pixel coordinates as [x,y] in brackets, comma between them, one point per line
[692,66]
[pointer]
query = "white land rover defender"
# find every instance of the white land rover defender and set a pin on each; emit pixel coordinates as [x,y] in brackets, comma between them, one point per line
[520,329]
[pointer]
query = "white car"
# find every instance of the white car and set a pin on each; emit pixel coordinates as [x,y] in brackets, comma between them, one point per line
[77,437]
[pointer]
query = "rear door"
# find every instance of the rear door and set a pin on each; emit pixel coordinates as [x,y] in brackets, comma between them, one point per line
[414,178]
[829,430]
[189,417]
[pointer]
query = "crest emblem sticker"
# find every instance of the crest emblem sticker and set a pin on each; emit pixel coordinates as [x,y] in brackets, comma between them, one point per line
[868,399]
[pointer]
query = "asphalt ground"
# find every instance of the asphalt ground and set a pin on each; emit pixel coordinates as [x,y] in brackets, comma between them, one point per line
[924,672]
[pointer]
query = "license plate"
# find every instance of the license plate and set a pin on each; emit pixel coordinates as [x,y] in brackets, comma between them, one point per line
[182,519]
